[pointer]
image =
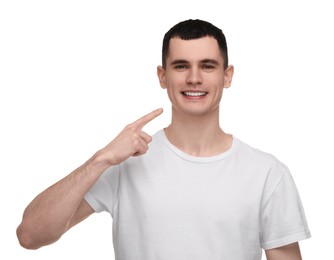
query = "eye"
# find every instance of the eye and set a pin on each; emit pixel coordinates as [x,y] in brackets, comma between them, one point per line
[180,67]
[208,67]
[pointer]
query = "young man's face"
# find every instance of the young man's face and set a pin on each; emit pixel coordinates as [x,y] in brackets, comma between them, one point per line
[195,76]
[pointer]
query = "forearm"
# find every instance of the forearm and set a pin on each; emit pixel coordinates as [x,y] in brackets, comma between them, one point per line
[48,216]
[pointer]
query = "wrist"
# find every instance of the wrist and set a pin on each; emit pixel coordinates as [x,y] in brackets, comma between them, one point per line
[98,163]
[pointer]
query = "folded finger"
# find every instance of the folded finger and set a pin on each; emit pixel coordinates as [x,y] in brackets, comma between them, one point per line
[147,138]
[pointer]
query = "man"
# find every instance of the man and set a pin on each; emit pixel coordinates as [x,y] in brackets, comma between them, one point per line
[191,191]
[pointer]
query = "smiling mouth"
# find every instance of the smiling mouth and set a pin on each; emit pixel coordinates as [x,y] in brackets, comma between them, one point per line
[194,93]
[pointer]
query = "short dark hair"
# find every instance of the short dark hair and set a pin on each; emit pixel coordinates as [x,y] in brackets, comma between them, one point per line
[194,29]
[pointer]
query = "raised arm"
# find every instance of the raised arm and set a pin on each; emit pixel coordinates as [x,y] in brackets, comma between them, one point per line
[62,205]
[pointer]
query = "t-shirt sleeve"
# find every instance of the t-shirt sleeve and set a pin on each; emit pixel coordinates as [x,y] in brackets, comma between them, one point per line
[104,193]
[282,218]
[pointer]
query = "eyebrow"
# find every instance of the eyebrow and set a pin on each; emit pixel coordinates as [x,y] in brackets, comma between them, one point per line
[175,62]
[180,61]
[212,61]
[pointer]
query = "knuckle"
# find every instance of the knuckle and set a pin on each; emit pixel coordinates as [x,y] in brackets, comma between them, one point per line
[135,136]
[128,127]
[135,143]
[131,126]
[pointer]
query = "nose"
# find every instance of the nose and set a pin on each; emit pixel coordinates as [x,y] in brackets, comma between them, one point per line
[194,77]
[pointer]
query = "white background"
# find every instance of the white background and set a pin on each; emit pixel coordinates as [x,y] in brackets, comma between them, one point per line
[74,73]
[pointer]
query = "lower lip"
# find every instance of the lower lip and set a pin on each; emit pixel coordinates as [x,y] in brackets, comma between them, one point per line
[194,97]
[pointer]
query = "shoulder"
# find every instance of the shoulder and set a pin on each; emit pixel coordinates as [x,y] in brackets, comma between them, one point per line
[257,156]
[262,166]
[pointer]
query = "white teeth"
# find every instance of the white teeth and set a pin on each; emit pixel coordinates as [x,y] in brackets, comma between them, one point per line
[194,94]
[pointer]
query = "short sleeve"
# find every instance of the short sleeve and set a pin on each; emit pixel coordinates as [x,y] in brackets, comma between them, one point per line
[103,195]
[282,217]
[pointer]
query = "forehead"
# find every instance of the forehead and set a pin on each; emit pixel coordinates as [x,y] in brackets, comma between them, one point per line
[194,50]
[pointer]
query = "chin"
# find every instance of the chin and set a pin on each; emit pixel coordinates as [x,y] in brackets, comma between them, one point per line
[197,112]
[195,109]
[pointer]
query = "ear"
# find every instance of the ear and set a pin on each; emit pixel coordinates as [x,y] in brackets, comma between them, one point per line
[228,75]
[161,75]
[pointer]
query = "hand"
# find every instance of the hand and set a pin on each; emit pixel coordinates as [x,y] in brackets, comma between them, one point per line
[132,141]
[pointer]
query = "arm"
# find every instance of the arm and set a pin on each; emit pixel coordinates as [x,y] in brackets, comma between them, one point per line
[50,214]
[62,205]
[288,252]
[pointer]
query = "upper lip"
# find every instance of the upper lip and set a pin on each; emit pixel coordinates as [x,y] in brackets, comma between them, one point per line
[194,90]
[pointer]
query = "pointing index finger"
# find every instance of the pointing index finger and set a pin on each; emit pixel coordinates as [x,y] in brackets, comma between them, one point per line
[141,122]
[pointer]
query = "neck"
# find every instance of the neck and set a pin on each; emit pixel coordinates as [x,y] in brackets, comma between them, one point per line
[198,135]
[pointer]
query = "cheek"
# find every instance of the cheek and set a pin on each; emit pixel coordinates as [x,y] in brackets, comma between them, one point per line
[174,78]
[218,91]
[173,85]
[170,91]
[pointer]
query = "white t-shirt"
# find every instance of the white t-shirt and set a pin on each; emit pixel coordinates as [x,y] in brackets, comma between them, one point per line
[168,205]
